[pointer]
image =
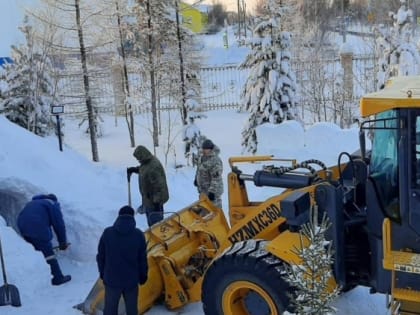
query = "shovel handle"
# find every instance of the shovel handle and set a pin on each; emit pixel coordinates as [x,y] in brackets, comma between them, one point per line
[129,193]
[3,267]
[129,185]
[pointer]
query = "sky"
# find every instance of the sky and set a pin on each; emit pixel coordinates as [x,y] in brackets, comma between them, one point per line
[12,13]
[11,16]
[231,5]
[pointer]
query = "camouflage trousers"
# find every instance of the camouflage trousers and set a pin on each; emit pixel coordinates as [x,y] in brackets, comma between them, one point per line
[218,202]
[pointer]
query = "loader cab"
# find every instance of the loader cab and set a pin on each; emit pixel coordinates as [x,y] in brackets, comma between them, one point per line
[394,167]
[383,179]
[412,216]
[393,190]
[396,142]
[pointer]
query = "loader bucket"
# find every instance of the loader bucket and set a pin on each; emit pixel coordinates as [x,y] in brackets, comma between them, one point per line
[179,250]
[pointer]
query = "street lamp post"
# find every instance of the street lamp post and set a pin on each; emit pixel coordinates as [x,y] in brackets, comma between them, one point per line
[56,110]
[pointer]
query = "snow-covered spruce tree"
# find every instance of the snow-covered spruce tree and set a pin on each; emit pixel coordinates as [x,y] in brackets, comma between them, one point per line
[269,92]
[397,54]
[312,278]
[29,93]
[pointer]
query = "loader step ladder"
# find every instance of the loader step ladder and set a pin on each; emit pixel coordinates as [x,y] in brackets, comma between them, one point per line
[403,301]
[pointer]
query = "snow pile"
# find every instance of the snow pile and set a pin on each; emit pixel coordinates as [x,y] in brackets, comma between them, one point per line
[322,141]
[32,165]
[22,254]
[288,136]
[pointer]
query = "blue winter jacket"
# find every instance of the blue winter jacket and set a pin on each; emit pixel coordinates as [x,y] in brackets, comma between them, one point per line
[122,254]
[37,218]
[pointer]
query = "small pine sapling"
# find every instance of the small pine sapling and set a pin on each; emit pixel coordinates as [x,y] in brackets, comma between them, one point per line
[312,278]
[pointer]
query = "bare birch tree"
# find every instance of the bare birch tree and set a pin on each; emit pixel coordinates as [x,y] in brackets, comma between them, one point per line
[69,18]
[127,100]
[88,99]
[161,49]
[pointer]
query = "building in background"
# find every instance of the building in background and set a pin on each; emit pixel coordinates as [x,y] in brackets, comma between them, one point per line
[5,60]
[194,18]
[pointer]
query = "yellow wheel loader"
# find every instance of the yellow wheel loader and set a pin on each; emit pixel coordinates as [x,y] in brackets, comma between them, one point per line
[372,199]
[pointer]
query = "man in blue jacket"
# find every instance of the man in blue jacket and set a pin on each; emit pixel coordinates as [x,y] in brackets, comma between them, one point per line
[122,262]
[35,222]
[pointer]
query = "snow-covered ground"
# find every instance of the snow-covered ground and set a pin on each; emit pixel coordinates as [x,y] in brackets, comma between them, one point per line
[91,194]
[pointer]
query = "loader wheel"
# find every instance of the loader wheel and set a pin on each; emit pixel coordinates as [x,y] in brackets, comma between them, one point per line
[246,280]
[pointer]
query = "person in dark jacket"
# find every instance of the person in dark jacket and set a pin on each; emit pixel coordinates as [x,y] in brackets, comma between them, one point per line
[35,222]
[122,262]
[152,184]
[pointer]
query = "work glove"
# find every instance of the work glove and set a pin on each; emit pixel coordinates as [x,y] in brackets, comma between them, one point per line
[141,210]
[131,170]
[63,246]
[195,183]
[211,196]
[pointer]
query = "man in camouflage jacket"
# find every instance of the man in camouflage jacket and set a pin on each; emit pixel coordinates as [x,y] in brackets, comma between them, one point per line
[208,178]
[152,184]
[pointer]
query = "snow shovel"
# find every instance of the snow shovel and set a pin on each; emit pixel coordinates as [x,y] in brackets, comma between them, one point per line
[9,294]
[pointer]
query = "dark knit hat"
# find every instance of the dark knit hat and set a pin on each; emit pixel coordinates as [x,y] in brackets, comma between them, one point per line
[126,210]
[207,144]
[51,197]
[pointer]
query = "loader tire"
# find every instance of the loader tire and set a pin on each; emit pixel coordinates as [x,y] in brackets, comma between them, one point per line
[246,280]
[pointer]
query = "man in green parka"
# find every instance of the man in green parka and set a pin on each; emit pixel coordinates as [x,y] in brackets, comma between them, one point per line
[152,184]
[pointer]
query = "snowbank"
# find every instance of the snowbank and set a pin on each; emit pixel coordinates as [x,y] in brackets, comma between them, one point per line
[26,161]
[322,141]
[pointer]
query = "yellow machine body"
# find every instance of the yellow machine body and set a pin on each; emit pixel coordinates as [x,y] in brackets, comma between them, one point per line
[181,247]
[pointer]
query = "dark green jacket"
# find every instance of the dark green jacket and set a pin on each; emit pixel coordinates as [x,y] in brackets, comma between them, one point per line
[152,178]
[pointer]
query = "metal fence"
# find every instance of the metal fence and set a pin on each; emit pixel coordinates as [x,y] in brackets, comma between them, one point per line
[322,90]
[71,92]
[220,87]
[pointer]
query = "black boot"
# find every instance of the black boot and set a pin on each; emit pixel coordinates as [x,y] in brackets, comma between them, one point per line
[61,280]
[58,277]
